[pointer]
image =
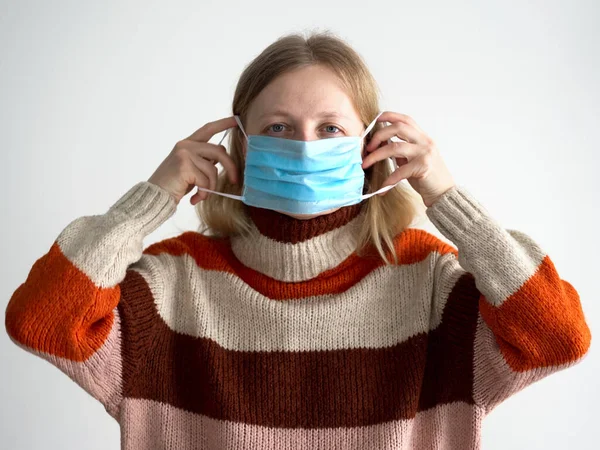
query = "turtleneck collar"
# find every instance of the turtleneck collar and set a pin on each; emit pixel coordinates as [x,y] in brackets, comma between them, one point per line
[289,249]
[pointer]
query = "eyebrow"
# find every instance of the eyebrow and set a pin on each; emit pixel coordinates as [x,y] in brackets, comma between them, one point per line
[321,115]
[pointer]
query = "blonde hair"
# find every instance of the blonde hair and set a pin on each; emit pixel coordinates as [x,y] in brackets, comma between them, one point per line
[385,216]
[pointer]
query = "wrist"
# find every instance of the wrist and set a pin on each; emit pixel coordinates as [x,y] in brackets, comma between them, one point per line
[431,200]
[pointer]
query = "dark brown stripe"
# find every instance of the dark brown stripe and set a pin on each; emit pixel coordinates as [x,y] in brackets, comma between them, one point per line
[282,228]
[347,388]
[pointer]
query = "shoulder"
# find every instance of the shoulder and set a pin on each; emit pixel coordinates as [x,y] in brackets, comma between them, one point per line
[416,244]
[208,251]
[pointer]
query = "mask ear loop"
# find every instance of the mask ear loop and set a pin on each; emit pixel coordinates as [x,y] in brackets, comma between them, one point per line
[235,197]
[371,125]
[224,136]
[387,188]
[239,122]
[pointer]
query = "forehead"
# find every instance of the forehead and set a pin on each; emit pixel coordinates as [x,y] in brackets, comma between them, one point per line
[305,92]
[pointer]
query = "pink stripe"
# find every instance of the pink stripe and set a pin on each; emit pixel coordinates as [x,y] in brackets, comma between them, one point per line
[494,381]
[149,425]
[101,374]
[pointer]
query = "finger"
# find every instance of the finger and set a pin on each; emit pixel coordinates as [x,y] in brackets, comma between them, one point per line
[208,130]
[392,117]
[214,153]
[198,196]
[401,173]
[219,154]
[208,169]
[398,129]
[199,179]
[391,150]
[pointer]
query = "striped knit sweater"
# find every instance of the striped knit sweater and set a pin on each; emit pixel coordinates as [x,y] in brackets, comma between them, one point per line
[286,338]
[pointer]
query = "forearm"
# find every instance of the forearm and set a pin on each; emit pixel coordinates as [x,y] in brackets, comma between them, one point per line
[532,319]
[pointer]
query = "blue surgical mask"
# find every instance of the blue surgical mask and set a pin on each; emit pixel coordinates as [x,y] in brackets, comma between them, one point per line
[303,177]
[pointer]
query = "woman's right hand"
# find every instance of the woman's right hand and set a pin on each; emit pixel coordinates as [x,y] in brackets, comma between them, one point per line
[192,163]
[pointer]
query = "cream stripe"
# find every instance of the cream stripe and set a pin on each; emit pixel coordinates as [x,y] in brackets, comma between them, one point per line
[500,275]
[296,262]
[450,426]
[103,246]
[502,264]
[501,260]
[385,308]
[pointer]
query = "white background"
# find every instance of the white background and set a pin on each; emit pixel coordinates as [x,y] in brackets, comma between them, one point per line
[93,96]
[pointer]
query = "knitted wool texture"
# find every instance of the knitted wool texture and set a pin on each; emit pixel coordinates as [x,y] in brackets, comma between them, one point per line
[286,338]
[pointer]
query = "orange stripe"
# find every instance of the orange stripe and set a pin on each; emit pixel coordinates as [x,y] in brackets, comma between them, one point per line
[540,325]
[59,310]
[412,245]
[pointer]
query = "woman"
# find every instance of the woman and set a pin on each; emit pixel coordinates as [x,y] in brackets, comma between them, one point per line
[306,317]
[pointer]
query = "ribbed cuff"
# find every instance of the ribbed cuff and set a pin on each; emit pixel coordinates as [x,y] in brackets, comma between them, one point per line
[145,204]
[455,212]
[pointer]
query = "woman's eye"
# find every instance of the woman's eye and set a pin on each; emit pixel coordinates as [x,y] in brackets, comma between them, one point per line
[277,127]
[331,129]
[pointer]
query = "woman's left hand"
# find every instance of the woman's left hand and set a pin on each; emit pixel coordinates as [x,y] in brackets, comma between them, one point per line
[418,159]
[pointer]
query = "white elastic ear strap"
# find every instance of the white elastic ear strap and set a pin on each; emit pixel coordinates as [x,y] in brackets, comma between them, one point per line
[386,188]
[239,197]
[239,122]
[224,136]
[371,125]
[383,189]
[235,197]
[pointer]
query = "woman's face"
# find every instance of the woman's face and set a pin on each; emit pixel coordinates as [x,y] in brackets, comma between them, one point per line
[306,104]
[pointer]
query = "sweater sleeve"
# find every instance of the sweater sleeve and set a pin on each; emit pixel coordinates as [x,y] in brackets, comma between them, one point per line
[69,312]
[530,322]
